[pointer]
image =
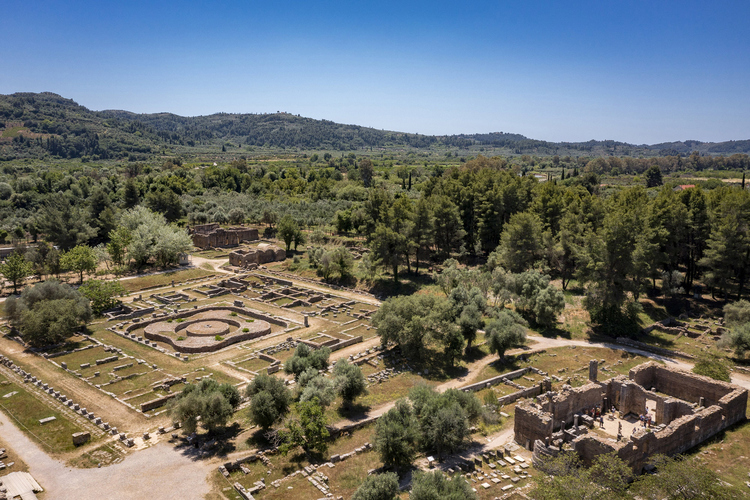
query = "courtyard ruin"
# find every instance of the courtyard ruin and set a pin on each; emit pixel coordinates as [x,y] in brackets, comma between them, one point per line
[685,409]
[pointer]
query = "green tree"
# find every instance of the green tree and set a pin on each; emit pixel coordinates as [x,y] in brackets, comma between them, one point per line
[448,230]
[444,427]
[366,171]
[316,386]
[269,400]
[503,333]
[537,298]
[308,430]
[681,478]
[737,313]
[214,403]
[80,259]
[152,237]
[341,261]
[349,381]
[435,486]
[368,265]
[119,239]
[164,201]
[287,229]
[468,306]
[48,313]
[422,231]
[653,177]
[102,294]
[387,246]
[565,478]
[413,320]
[64,222]
[16,269]
[738,338]
[521,242]
[130,196]
[305,357]
[727,256]
[396,436]
[378,487]
[712,364]
[52,262]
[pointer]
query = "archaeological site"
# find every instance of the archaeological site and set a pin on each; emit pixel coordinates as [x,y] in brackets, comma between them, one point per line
[653,410]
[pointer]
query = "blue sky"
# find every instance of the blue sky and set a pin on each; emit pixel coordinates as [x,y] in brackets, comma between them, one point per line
[635,71]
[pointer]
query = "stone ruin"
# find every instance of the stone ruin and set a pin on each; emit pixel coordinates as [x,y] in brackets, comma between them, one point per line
[262,254]
[689,409]
[213,236]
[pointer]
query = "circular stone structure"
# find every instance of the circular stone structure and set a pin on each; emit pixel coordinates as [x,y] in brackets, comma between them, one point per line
[206,330]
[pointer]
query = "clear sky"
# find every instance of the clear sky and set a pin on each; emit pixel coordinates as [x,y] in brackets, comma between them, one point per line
[636,71]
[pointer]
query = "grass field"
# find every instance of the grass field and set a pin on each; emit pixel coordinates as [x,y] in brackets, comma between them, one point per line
[26,410]
[163,279]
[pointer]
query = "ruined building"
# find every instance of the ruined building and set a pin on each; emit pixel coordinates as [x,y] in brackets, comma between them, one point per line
[213,236]
[262,254]
[687,408]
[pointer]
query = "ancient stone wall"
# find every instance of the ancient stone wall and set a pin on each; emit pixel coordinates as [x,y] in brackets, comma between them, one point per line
[574,400]
[675,394]
[213,236]
[676,384]
[257,256]
[531,423]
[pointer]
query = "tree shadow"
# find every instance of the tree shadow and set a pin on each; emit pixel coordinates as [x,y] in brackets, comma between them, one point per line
[554,333]
[437,366]
[215,444]
[353,411]
[509,363]
[473,354]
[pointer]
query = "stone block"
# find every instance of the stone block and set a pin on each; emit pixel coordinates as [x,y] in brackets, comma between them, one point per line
[80,438]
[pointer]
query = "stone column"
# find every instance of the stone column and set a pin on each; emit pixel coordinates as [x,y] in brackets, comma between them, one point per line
[593,370]
[307,320]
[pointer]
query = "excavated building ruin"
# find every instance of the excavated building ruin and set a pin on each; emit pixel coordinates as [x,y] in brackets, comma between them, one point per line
[213,236]
[688,410]
[262,254]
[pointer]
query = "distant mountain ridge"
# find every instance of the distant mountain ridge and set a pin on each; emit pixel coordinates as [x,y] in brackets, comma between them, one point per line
[39,124]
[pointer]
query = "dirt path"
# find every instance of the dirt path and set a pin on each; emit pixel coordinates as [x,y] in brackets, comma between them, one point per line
[157,472]
[199,262]
[541,344]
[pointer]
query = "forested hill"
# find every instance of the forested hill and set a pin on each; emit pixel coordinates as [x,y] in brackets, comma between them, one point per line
[48,125]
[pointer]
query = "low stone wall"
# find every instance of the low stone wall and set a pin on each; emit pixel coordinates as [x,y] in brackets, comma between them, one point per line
[192,312]
[238,337]
[333,344]
[495,380]
[525,393]
[65,353]
[156,403]
[135,314]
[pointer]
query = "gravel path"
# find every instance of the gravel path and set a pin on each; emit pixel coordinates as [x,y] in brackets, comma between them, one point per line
[157,472]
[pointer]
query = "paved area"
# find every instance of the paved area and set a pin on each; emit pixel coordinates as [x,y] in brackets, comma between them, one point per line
[157,472]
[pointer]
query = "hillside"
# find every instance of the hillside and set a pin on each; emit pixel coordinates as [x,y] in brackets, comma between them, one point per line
[46,125]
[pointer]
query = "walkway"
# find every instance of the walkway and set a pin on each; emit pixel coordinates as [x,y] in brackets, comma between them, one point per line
[157,472]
